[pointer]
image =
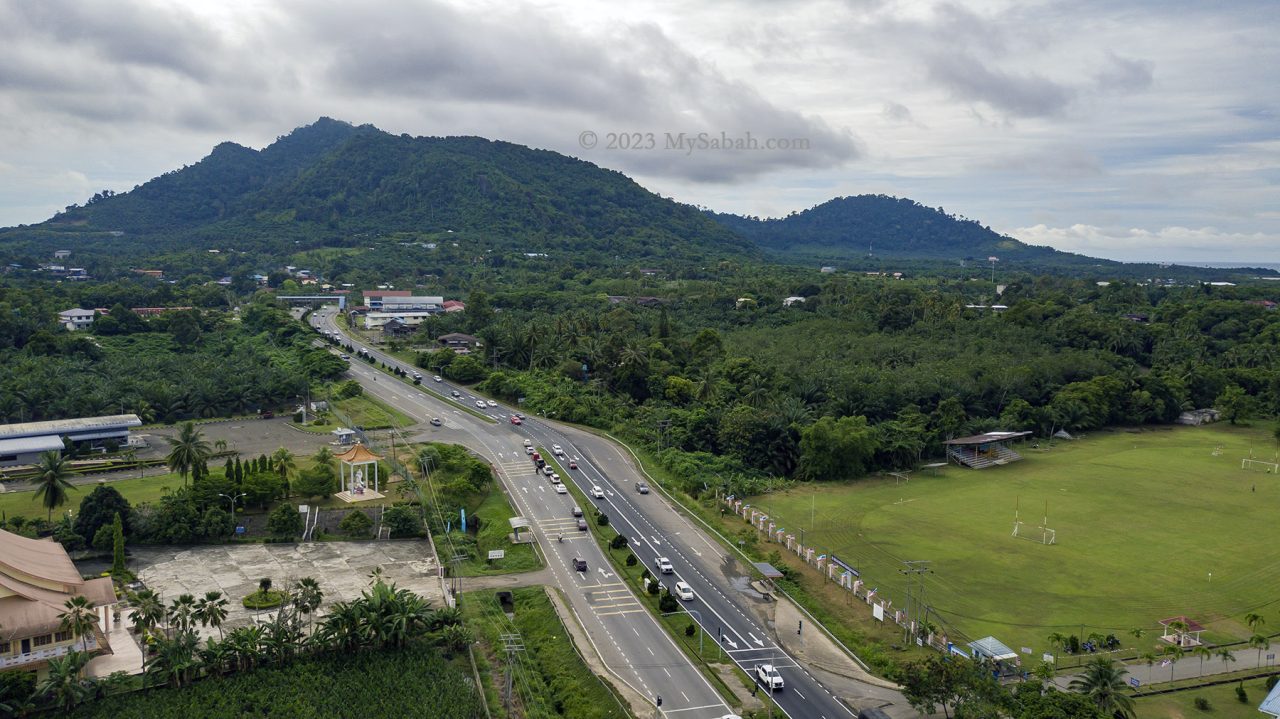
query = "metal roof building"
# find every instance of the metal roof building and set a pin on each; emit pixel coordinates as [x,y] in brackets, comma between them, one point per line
[22,443]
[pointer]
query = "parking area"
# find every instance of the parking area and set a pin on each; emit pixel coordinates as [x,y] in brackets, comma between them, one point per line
[249,437]
[341,568]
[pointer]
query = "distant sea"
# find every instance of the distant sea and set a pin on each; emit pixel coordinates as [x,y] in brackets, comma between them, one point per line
[1227,265]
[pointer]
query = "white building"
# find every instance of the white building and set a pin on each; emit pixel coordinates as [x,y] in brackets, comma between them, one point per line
[412,318]
[76,319]
[411,303]
[22,443]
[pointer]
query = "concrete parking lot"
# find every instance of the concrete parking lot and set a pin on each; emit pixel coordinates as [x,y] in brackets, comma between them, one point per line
[249,437]
[341,568]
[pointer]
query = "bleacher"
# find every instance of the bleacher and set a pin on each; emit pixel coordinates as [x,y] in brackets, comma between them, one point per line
[984,450]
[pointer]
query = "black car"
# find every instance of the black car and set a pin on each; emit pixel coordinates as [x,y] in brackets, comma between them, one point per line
[582,525]
[580,564]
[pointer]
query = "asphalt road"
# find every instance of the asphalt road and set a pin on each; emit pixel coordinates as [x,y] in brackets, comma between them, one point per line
[634,647]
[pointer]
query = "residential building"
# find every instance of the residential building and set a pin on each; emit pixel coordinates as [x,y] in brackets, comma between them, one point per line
[76,319]
[375,320]
[788,301]
[37,578]
[397,328]
[459,342]
[373,298]
[61,254]
[22,443]
[454,306]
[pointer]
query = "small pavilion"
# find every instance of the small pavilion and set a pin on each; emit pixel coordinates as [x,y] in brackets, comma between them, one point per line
[1181,632]
[984,450]
[353,474]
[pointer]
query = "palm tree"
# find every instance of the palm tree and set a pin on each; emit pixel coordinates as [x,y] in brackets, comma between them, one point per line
[324,458]
[1227,656]
[1259,642]
[1174,653]
[189,449]
[1203,652]
[211,610]
[182,612]
[306,598]
[220,445]
[283,461]
[1150,659]
[51,481]
[1103,682]
[79,618]
[1254,621]
[63,686]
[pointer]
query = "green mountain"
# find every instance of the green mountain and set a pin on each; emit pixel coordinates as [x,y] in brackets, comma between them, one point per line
[879,226]
[334,184]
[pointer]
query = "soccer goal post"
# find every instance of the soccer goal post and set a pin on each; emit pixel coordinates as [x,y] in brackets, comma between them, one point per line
[1258,465]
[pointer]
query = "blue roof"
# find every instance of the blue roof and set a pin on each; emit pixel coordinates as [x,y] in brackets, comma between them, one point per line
[1271,705]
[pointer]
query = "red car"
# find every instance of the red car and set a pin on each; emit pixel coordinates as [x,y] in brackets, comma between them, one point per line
[516,420]
[573,465]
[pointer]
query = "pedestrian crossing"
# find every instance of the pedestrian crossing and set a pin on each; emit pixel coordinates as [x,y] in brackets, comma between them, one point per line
[516,468]
[611,599]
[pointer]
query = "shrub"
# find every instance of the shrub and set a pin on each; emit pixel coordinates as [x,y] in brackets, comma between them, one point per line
[103,539]
[603,521]
[284,521]
[1271,681]
[1202,704]
[691,629]
[356,524]
[264,600]
[1241,695]
[402,521]
[631,560]
[618,542]
[667,603]
[654,587]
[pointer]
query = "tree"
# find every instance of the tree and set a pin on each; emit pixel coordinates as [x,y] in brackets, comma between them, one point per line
[1259,642]
[148,611]
[51,481]
[1103,682]
[832,449]
[63,687]
[402,521]
[188,450]
[78,617]
[1234,403]
[284,463]
[211,611]
[99,508]
[307,596]
[285,521]
[949,682]
[315,482]
[356,524]
[1203,652]
[118,567]
[1254,620]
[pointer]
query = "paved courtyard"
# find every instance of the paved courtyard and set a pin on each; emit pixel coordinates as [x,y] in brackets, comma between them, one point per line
[341,568]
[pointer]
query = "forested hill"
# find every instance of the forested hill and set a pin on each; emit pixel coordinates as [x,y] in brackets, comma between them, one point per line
[331,182]
[893,227]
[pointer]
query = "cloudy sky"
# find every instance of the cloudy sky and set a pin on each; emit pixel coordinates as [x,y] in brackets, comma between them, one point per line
[1129,130]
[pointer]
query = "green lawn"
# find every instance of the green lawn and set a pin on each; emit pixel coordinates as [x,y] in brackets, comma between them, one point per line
[494,511]
[1142,518]
[1223,703]
[137,491]
[370,412]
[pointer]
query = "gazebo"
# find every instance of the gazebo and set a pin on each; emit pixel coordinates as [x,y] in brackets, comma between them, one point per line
[1181,632]
[353,476]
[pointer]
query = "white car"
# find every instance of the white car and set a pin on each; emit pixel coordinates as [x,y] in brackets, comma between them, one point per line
[664,565]
[528,450]
[684,591]
[528,443]
[555,449]
[492,403]
[597,492]
[480,403]
[547,470]
[438,378]
[768,675]
[560,489]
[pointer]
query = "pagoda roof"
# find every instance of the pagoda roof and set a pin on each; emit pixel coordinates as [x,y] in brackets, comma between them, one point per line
[358,454]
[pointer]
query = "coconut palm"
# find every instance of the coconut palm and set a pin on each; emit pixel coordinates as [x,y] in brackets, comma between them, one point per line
[1203,653]
[211,611]
[307,596]
[1259,642]
[52,485]
[1227,656]
[1103,682]
[1254,620]
[1150,659]
[1172,654]
[284,463]
[79,618]
[324,458]
[63,687]
[189,449]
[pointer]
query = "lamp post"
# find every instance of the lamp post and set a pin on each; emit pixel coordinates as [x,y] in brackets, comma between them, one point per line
[232,498]
[697,615]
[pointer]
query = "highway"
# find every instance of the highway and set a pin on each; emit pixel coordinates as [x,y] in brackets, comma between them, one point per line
[723,598]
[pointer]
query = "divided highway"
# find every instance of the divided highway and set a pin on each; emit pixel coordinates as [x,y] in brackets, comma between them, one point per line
[723,599]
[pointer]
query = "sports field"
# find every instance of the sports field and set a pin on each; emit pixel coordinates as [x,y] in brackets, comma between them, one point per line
[1142,519]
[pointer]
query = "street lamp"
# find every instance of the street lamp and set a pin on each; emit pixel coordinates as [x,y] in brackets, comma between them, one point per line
[232,498]
[697,615]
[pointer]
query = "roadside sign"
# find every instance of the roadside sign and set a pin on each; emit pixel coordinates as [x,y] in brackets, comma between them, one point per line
[1133,682]
[497,553]
[239,529]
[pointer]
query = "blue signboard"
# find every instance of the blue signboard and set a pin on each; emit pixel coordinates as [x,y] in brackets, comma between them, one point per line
[239,529]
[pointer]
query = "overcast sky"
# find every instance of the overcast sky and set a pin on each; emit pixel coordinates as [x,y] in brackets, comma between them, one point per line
[1128,130]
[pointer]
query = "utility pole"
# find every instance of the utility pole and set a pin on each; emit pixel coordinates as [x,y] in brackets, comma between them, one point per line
[512,644]
[915,570]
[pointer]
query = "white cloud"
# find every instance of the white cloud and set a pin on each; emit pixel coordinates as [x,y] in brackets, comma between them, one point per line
[1170,244]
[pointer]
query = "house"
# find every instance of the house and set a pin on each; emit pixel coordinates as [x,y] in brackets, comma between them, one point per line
[397,328]
[61,254]
[37,578]
[459,342]
[156,274]
[1197,417]
[454,306]
[827,270]
[788,301]
[76,319]
[1136,317]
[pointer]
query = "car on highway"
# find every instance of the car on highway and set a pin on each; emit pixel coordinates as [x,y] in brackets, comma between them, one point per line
[516,420]
[528,442]
[417,375]
[577,511]
[480,404]
[597,492]
[345,356]
[684,591]
[664,565]
[573,464]
[768,675]
[560,489]
[456,394]
[642,487]
[435,422]
[547,470]
[556,450]
[491,403]
[580,564]
[528,450]
[582,525]
[438,378]
[555,478]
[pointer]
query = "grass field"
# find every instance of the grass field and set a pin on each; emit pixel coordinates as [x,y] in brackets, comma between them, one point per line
[137,491]
[1142,518]
[370,412]
[1223,703]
